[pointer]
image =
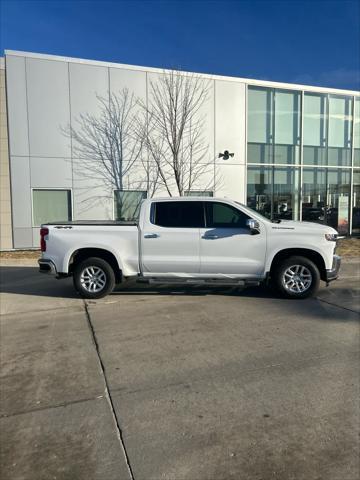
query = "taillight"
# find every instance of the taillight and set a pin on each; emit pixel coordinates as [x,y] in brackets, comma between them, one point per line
[43,233]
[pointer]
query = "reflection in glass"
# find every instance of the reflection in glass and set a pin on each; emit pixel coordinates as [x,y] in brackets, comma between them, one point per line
[274,192]
[273,126]
[314,129]
[356,203]
[338,200]
[325,197]
[287,126]
[260,125]
[313,194]
[259,182]
[127,204]
[339,141]
[199,193]
[357,133]
[286,193]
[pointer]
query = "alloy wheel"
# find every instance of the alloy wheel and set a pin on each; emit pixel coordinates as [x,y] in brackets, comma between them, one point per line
[93,279]
[297,279]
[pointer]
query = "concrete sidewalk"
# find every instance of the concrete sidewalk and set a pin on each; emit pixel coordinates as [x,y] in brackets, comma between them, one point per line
[178,384]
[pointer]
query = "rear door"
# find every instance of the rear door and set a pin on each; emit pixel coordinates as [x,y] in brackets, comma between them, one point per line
[170,242]
[227,245]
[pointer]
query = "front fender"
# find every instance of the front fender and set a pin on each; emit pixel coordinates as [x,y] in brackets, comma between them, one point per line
[273,252]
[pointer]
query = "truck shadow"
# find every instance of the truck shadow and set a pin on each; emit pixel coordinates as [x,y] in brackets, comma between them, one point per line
[27,281]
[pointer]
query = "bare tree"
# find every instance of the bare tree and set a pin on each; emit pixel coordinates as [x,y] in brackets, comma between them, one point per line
[133,145]
[175,138]
[109,147]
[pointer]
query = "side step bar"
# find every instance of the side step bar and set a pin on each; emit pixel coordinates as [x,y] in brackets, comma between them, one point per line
[198,281]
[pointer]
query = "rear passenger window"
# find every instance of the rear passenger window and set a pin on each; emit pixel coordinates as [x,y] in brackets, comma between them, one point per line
[178,214]
[220,215]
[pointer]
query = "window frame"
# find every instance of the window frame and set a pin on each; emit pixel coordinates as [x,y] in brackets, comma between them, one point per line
[56,189]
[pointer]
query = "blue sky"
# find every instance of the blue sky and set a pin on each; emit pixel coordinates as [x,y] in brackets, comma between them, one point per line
[310,41]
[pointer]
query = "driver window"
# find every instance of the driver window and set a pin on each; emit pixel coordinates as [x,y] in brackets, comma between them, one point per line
[220,215]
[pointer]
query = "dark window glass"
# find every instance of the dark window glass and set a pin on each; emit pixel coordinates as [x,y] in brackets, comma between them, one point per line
[220,215]
[179,214]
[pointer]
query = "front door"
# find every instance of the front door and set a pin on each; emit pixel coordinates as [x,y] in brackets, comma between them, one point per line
[170,242]
[227,246]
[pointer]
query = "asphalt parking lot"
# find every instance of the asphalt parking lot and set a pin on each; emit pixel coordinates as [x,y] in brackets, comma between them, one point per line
[178,384]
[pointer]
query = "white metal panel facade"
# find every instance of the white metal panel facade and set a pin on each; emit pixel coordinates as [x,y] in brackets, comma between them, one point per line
[47,95]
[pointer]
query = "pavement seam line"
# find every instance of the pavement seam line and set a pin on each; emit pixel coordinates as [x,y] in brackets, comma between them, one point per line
[335,305]
[50,407]
[107,390]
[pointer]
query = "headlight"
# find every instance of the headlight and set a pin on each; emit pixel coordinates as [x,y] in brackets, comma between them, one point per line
[332,237]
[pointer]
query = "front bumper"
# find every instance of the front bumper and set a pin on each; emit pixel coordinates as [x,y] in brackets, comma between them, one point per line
[333,273]
[47,266]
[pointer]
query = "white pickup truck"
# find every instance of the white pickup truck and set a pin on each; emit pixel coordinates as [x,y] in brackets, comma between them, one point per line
[199,240]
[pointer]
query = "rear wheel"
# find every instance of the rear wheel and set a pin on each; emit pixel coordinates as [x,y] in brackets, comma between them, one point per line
[94,278]
[296,277]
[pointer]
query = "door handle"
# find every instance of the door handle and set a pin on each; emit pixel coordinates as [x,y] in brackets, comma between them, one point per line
[151,235]
[210,236]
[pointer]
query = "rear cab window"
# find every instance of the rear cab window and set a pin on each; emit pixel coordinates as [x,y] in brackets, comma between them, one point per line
[178,214]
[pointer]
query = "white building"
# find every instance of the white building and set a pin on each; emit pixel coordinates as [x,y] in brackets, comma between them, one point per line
[296,148]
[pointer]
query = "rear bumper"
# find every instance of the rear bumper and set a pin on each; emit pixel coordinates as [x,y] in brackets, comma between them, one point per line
[333,273]
[47,266]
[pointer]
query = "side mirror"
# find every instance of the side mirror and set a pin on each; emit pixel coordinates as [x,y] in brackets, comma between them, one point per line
[253,225]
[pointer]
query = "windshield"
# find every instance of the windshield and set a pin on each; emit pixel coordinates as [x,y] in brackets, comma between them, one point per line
[251,211]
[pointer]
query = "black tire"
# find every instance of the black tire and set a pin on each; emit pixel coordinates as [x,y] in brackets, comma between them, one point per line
[102,281]
[294,287]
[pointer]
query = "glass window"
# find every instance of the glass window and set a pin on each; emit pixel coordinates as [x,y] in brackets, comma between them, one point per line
[220,215]
[314,119]
[286,193]
[356,203]
[339,140]
[179,214]
[314,194]
[260,125]
[199,193]
[259,153]
[127,204]
[357,133]
[338,200]
[273,126]
[274,191]
[339,121]
[287,126]
[260,102]
[325,199]
[51,206]
[314,129]
[259,186]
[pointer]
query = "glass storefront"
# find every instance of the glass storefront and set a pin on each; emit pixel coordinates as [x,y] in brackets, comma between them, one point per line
[302,151]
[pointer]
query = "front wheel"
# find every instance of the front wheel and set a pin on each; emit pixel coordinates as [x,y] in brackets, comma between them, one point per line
[296,277]
[94,278]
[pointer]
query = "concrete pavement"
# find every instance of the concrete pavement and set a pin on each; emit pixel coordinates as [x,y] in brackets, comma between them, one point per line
[179,384]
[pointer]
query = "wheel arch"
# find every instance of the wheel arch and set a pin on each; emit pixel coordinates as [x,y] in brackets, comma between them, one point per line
[312,255]
[81,254]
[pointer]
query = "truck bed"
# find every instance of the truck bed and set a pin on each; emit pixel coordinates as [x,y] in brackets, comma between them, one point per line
[94,222]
